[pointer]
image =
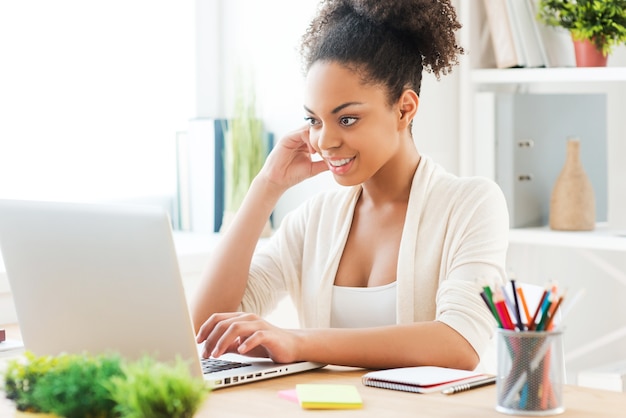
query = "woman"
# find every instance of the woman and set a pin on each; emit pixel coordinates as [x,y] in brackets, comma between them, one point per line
[387,271]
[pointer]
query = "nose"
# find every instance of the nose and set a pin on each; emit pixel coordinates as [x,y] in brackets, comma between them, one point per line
[325,138]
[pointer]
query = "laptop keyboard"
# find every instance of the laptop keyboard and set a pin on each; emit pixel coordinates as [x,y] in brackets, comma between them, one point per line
[212,365]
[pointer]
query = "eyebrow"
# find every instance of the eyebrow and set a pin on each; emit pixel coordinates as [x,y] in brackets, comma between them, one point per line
[337,109]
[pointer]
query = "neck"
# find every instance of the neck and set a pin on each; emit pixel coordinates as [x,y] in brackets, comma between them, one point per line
[392,183]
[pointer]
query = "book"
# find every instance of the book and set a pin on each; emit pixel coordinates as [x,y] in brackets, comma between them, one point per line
[531,10]
[530,41]
[183,211]
[420,379]
[556,41]
[505,52]
[328,396]
[516,32]
[201,175]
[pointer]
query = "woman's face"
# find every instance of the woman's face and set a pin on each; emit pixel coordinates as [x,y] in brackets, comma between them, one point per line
[352,126]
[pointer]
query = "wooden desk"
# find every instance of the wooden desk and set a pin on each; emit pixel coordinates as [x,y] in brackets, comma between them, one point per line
[261,399]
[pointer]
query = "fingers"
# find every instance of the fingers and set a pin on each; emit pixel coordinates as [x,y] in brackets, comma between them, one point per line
[225,332]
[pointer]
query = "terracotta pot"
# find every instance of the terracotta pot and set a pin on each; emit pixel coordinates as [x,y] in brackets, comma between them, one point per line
[588,55]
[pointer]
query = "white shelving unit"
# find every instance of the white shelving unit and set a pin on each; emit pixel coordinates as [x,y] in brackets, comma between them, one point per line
[477,77]
[487,77]
[602,238]
[595,260]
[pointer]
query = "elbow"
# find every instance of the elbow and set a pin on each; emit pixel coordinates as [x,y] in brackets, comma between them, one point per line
[468,360]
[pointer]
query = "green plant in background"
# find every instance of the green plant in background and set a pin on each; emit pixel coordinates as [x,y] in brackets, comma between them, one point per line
[157,390]
[602,22]
[21,377]
[245,146]
[76,386]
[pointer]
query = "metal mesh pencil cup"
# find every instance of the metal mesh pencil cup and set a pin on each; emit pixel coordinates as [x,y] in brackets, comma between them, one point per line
[530,372]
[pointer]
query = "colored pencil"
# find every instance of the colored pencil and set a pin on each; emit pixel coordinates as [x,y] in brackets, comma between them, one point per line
[548,324]
[518,316]
[532,324]
[491,307]
[500,304]
[552,298]
[520,292]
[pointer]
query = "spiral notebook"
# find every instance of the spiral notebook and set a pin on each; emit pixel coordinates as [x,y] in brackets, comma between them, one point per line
[421,379]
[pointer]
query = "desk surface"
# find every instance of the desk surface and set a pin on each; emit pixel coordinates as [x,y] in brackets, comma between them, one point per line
[260,399]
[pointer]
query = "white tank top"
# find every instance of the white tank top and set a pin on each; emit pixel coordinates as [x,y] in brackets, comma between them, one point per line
[361,307]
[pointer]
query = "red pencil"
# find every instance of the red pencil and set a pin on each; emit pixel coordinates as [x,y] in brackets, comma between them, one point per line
[503,312]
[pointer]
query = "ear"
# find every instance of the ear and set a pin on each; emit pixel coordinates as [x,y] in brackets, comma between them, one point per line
[407,106]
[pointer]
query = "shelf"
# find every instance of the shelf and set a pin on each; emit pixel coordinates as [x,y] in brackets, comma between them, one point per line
[602,238]
[549,75]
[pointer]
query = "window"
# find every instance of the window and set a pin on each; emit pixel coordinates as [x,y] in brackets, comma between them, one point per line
[91,96]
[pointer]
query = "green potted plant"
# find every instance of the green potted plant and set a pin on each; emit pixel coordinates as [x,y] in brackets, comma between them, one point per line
[83,386]
[76,386]
[157,390]
[69,386]
[246,147]
[20,380]
[596,24]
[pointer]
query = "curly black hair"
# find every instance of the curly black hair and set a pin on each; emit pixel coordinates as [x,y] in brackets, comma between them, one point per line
[388,42]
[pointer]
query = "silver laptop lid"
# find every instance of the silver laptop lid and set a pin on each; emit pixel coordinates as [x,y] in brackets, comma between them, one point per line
[96,278]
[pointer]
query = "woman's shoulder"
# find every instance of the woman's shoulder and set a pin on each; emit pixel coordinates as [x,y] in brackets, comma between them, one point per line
[450,196]
[449,185]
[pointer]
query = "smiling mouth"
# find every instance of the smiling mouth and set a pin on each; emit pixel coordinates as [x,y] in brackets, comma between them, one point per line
[339,163]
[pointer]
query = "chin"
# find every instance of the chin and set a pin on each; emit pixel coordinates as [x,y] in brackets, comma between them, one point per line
[345,181]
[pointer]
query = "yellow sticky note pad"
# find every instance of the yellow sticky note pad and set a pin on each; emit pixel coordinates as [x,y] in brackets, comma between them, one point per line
[328,396]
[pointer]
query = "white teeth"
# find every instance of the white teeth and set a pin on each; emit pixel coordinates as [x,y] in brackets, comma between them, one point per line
[339,163]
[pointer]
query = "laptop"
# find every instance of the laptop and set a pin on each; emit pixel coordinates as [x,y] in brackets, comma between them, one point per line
[101,278]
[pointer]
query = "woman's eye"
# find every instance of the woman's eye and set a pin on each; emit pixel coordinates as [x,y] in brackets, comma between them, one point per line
[310,120]
[347,120]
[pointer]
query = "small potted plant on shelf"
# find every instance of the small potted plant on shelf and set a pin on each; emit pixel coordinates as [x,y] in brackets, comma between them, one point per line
[596,26]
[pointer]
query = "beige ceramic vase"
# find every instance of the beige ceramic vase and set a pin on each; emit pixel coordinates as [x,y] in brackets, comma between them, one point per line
[572,205]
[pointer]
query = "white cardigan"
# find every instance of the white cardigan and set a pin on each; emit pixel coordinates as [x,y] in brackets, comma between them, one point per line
[454,242]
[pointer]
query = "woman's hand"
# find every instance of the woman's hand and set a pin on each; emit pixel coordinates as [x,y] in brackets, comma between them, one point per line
[248,334]
[290,161]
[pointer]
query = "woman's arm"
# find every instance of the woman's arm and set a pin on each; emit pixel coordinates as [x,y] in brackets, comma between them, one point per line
[423,343]
[225,278]
[431,343]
